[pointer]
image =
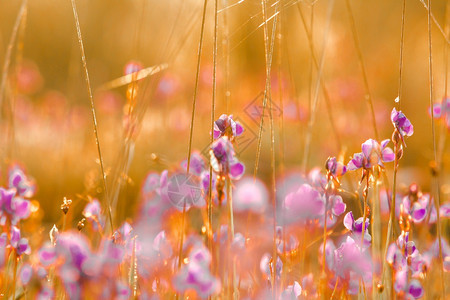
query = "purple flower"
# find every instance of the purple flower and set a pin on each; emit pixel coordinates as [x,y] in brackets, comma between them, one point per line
[372,154]
[266,265]
[25,273]
[349,258]
[401,123]
[197,164]
[225,125]
[250,195]
[18,180]
[292,292]
[12,208]
[92,212]
[416,209]
[47,254]
[336,168]
[19,243]
[196,275]
[224,161]
[356,228]
[442,110]
[304,204]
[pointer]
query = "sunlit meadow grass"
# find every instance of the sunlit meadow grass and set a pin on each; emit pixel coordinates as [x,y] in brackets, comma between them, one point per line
[224,149]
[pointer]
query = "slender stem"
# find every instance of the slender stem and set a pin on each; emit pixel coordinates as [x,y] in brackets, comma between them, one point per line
[231,235]
[226,50]
[12,41]
[402,40]
[268,57]
[391,218]
[433,131]
[323,278]
[94,117]
[363,68]
[197,77]
[376,230]
[317,87]
[314,61]
[14,283]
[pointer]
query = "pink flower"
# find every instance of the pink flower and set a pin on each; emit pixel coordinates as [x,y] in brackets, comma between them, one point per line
[304,204]
[401,123]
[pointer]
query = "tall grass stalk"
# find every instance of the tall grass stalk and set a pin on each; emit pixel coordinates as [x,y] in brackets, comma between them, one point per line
[368,95]
[317,87]
[94,116]
[433,132]
[376,231]
[315,65]
[433,18]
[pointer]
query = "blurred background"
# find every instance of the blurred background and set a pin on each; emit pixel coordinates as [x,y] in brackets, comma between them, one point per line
[46,120]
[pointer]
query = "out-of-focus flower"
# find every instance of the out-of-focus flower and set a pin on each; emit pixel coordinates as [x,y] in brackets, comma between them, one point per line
[12,208]
[266,266]
[93,213]
[349,258]
[225,125]
[19,243]
[196,275]
[47,254]
[442,111]
[196,165]
[292,292]
[404,258]
[372,154]
[433,253]
[401,123]
[336,168]
[224,161]
[25,273]
[24,186]
[444,212]
[250,195]
[304,204]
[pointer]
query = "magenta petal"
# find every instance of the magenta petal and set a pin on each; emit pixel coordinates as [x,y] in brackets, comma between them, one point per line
[21,207]
[437,110]
[237,170]
[47,255]
[217,132]
[387,155]
[239,129]
[349,220]
[356,162]
[418,213]
[415,289]
[26,271]
[444,210]
[23,247]
[369,148]
[339,205]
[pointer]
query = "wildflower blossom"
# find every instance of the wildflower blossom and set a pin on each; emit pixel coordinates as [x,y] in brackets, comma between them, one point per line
[404,258]
[335,167]
[401,123]
[250,195]
[196,275]
[304,204]
[224,161]
[442,111]
[292,292]
[12,208]
[23,185]
[372,154]
[225,125]
[356,227]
